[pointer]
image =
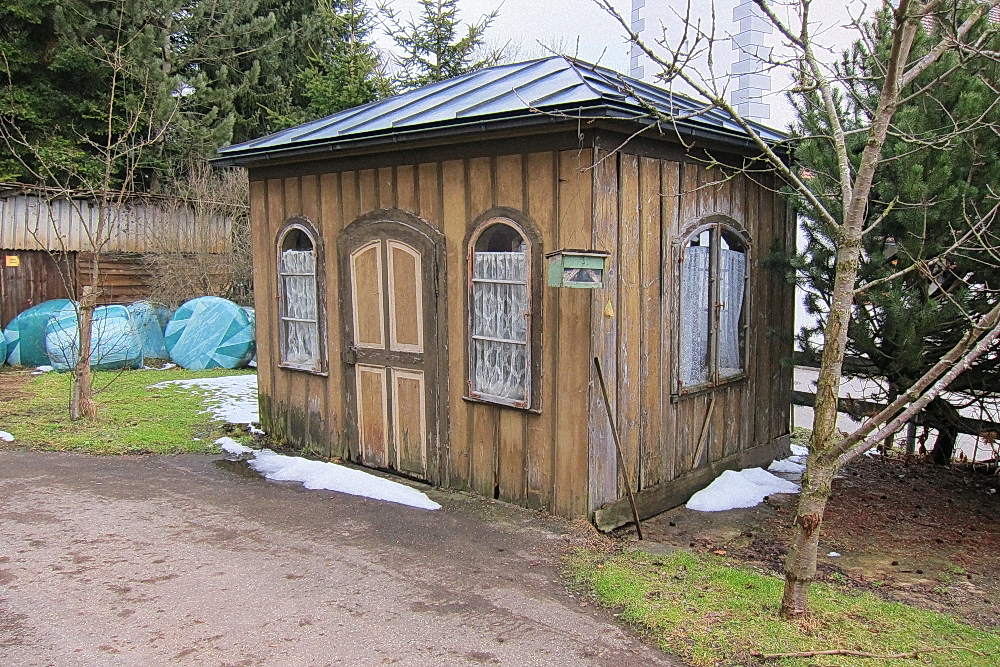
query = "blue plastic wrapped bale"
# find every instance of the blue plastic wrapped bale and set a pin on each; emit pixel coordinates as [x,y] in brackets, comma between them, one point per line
[114,340]
[150,321]
[25,334]
[209,332]
[253,327]
[3,350]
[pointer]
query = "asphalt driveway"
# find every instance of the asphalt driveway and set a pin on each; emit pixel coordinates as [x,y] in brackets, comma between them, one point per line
[152,561]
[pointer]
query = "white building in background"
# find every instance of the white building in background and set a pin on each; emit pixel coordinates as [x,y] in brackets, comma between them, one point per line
[740,52]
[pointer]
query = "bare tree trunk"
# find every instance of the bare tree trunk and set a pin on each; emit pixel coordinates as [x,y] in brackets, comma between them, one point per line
[800,565]
[82,404]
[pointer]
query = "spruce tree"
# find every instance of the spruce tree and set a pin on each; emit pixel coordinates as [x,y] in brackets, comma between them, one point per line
[436,47]
[935,185]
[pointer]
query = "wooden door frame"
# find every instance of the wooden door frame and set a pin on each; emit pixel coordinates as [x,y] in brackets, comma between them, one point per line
[405,226]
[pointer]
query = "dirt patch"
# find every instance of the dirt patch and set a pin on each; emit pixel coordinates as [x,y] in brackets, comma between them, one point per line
[12,384]
[906,529]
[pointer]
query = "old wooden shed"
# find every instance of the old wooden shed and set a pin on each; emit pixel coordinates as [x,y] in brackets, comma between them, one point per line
[406,309]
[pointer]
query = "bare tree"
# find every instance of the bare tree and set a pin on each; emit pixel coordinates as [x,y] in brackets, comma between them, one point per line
[135,116]
[959,28]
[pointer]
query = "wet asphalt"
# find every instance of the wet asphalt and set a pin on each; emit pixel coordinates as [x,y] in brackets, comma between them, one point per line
[181,560]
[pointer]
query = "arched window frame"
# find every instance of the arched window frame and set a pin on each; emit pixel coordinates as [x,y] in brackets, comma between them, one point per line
[308,228]
[719,228]
[521,224]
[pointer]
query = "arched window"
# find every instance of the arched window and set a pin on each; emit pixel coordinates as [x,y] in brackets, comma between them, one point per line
[299,297]
[500,306]
[714,271]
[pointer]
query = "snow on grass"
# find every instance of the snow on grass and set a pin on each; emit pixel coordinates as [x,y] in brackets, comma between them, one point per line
[230,446]
[231,398]
[787,466]
[329,476]
[745,488]
[6,437]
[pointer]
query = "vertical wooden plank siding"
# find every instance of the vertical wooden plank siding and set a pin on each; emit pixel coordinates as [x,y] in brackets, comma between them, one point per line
[386,188]
[406,188]
[275,216]
[455,224]
[429,196]
[604,344]
[367,190]
[628,320]
[766,318]
[508,179]
[332,221]
[785,224]
[297,383]
[687,410]
[263,302]
[651,438]
[572,322]
[540,203]
[670,188]
[717,195]
[317,391]
[485,418]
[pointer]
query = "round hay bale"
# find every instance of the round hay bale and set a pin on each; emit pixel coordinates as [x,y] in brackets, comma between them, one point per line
[25,334]
[209,332]
[150,321]
[114,340]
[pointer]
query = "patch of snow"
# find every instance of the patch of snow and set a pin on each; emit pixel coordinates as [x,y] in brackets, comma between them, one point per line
[787,466]
[333,477]
[745,488]
[799,450]
[255,431]
[232,447]
[41,369]
[833,554]
[6,437]
[253,363]
[231,398]
[167,367]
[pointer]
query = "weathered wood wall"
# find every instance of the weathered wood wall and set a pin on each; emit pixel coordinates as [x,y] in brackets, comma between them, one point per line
[37,278]
[537,459]
[643,206]
[558,457]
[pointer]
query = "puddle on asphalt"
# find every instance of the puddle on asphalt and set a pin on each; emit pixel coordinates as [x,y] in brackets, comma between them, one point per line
[239,467]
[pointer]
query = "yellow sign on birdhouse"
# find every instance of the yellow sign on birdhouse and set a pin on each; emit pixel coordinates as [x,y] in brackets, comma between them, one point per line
[13,260]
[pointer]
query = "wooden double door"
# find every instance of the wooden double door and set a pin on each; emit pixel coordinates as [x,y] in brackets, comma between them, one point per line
[389,297]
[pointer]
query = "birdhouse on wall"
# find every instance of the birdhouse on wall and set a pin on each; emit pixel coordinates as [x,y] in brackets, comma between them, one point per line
[577,268]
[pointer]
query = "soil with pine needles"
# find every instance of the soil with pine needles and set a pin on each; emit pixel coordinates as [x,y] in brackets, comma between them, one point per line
[906,529]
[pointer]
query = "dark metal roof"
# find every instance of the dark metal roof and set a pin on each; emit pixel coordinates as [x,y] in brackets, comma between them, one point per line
[515,95]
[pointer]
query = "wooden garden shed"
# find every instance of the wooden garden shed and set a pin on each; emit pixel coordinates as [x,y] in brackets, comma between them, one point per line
[435,272]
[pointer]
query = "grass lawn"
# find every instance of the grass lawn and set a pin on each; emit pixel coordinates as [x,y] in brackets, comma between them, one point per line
[711,612]
[132,418]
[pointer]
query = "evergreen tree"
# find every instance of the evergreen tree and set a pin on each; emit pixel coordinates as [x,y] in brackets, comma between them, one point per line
[940,164]
[435,47]
[343,70]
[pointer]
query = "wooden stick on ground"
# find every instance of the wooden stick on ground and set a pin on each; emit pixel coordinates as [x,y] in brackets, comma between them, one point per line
[618,448]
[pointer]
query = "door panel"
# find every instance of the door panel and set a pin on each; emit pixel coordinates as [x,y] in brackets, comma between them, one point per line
[409,420]
[390,273]
[406,316]
[373,422]
[366,293]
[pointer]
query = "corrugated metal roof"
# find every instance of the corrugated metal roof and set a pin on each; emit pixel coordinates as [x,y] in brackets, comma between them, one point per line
[520,93]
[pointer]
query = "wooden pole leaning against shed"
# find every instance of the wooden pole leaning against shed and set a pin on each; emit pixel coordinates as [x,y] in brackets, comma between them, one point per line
[618,448]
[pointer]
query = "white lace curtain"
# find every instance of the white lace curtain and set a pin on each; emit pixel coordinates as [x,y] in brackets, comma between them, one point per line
[301,325]
[732,272]
[500,324]
[695,361]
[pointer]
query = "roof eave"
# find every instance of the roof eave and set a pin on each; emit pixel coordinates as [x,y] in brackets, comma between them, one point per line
[530,118]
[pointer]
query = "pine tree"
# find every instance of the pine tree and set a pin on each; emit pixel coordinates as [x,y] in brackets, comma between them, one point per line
[435,47]
[343,70]
[937,182]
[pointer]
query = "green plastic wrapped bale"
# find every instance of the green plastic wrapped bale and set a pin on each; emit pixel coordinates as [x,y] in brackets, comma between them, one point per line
[114,340]
[25,334]
[209,332]
[150,321]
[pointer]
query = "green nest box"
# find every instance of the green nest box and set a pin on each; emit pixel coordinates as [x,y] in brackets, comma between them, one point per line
[577,268]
